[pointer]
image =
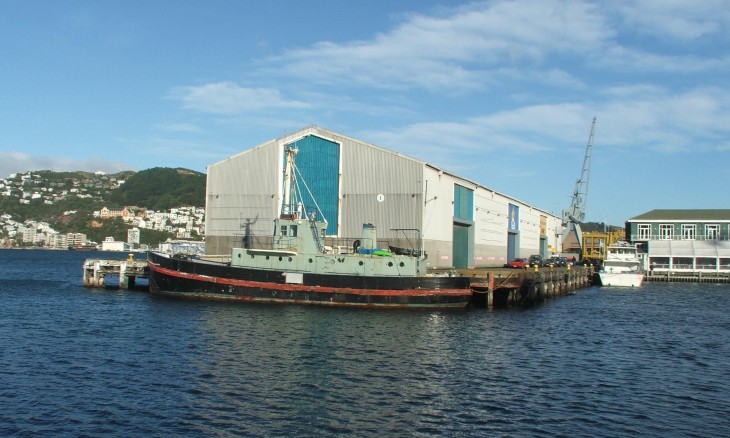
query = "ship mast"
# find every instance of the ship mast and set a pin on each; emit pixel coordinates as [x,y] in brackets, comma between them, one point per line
[287,207]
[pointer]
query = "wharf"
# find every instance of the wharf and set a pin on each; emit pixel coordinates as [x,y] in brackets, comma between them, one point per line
[128,272]
[502,287]
[492,287]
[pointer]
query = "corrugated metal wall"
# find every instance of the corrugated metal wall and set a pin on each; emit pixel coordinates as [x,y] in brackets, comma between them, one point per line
[242,196]
[373,185]
[379,187]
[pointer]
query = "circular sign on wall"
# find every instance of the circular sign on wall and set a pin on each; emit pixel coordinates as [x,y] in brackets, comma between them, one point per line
[381,197]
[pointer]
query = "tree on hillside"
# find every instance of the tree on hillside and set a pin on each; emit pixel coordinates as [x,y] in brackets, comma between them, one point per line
[161,189]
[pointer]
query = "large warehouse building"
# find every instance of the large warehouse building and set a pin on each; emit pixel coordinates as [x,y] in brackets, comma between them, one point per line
[461,223]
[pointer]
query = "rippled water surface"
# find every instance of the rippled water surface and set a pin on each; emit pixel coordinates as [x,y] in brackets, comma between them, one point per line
[100,362]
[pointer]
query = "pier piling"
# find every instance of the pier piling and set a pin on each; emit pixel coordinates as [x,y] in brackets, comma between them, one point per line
[96,271]
[500,287]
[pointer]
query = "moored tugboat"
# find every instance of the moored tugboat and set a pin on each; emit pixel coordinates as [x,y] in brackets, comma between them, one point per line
[297,267]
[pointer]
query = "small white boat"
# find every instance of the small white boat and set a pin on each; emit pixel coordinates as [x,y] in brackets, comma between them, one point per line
[622,266]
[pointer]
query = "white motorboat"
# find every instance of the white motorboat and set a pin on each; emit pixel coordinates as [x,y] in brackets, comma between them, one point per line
[622,266]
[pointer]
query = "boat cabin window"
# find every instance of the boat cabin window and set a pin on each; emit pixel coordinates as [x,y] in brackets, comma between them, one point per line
[288,230]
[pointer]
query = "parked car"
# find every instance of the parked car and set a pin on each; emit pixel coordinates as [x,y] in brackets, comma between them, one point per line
[520,263]
[535,260]
[556,262]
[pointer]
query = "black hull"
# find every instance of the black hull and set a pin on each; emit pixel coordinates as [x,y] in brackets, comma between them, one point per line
[206,280]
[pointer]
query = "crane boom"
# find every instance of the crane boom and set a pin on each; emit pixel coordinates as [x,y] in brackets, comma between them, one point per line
[576,213]
[577,210]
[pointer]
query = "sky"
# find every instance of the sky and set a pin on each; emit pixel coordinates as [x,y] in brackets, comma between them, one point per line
[500,92]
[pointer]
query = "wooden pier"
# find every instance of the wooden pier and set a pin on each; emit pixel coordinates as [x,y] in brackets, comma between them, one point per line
[502,287]
[128,271]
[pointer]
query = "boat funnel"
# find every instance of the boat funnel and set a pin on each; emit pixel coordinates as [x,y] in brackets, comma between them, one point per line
[369,236]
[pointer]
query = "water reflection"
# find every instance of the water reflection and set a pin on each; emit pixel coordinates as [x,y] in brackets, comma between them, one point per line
[621,363]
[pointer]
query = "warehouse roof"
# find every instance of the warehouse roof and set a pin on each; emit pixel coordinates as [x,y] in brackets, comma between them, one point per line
[684,215]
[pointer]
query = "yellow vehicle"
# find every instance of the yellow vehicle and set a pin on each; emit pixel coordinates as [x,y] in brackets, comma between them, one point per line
[595,244]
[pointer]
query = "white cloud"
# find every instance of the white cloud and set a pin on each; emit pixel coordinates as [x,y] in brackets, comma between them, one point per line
[456,50]
[676,19]
[647,120]
[13,162]
[659,121]
[485,44]
[230,98]
[539,49]
[480,46]
[635,60]
[502,142]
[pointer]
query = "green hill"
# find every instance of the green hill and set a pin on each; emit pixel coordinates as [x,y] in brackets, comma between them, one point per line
[161,188]
[67,200]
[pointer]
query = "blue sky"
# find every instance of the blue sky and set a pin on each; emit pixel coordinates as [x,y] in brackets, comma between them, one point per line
[500,92]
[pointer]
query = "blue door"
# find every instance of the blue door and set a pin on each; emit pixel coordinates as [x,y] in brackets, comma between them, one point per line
[511,246]
[461,246]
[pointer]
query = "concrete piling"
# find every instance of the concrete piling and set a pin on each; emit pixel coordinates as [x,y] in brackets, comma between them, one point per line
[95,272]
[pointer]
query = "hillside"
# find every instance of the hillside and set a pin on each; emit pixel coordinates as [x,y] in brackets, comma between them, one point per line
[67,200]
[44,195]
[161,188]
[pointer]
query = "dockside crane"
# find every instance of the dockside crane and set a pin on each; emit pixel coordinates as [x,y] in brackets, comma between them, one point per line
[575,214]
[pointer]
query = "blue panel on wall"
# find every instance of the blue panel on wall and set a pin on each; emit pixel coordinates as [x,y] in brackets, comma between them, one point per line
[318,161]
[514,218]
[463,203]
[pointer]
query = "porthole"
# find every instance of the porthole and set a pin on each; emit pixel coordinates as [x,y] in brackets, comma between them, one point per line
[402,264]
[239,255]
[281,258]
[310,260]
[289,258]
[390,264]
[360,263]
[267,257]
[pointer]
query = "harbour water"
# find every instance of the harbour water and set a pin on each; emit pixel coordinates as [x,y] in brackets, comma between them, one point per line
[653,361]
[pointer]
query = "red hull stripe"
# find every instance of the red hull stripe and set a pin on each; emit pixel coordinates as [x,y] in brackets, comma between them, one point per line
[299,287]
[207,296]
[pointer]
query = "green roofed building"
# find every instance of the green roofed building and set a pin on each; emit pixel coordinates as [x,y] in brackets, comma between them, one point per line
[684,241]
